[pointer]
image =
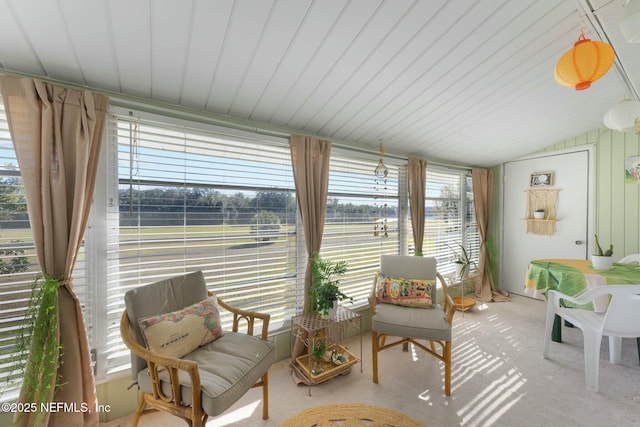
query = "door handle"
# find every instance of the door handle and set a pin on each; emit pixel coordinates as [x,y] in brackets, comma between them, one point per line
[579,242]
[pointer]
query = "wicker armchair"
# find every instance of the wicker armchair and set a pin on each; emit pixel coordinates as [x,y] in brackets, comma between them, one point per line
[410,324]
[209,379]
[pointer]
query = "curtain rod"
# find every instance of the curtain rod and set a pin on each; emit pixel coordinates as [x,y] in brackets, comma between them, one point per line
[177,111]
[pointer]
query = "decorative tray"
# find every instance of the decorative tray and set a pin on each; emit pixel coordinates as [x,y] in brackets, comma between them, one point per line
[330,368]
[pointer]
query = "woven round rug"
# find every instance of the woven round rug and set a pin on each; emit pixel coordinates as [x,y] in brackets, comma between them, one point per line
[350,415]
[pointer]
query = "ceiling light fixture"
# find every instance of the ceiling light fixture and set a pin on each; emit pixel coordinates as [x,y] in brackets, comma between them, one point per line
[622,116]
[381,170]
[584,63]
[630,24]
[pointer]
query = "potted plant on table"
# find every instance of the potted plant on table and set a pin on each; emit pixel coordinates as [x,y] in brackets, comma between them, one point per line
[462,261]
[602,260]
[325,286]
[538,213]
[318,349]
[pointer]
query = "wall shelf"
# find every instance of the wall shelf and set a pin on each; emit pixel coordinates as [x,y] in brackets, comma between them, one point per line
[545,200]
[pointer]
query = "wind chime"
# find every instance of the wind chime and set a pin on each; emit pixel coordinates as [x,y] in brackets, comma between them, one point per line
[380,207]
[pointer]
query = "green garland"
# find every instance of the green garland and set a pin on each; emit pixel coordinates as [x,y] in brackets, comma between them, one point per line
[38,344]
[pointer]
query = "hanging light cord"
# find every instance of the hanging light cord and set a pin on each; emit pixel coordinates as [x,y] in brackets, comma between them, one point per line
[133,154]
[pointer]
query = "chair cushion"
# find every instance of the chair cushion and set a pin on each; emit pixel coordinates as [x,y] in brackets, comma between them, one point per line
[179,332]
[228,366]
[405,292]
[410,266]
[411,322]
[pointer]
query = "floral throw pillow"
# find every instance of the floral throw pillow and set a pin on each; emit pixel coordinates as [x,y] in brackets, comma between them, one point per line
[178,333]
[405,292]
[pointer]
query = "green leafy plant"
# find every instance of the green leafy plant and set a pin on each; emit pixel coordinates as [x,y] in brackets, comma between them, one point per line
[492,256]
[318,347]
[325,284]
[463,258]
[600,252]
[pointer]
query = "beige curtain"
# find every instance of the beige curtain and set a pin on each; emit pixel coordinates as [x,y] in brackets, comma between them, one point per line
[310,161]
[482,195]
[57,134]
[417,177]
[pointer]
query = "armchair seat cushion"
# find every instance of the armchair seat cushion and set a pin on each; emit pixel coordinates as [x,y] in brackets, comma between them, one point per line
[229,366]
[412,322]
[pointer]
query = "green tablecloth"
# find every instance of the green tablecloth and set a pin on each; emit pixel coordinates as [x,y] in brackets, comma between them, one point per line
[574,276]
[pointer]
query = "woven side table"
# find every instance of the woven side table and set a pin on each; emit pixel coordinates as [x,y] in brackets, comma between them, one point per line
[307,325]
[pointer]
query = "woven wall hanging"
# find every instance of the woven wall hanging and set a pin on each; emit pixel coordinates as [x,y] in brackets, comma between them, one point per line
[542,199]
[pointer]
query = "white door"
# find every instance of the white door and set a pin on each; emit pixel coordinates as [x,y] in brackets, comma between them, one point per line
[571,175]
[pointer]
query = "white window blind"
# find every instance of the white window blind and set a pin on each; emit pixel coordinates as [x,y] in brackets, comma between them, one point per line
[19,265]
[189,199]
[362,219]
[450,218]
[177,197]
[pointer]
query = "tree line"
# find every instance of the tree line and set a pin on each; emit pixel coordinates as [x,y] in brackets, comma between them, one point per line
[201,206]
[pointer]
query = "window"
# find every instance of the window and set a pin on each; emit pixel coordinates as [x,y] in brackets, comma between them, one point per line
[363,218]
[450,216]
[18,265]
[174,196]
[185,199]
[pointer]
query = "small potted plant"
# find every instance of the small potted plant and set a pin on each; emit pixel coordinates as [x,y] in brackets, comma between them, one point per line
[325,286]
[462,261]
[317,350]
[602,259]
[538,213]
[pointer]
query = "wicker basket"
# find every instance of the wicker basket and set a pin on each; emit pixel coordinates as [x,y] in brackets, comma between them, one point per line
[464,303]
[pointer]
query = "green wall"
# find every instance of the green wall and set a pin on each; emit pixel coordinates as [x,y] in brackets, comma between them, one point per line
[617,204]
[496,218]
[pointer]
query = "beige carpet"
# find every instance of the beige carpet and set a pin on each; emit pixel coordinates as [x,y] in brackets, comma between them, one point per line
[499,379]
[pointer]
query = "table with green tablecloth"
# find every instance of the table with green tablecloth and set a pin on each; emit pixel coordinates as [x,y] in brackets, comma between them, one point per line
[574,276]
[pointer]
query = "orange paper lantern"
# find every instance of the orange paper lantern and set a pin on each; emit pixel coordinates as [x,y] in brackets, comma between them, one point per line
[583,64]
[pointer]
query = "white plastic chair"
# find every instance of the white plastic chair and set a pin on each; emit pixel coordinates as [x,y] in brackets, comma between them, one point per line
[621,320]
[631,258]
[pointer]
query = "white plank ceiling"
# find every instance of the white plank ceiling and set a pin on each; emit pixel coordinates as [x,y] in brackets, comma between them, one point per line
[460,81]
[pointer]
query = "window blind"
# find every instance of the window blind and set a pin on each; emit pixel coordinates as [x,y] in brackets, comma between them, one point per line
[450,218]
[362,219]
[189,199]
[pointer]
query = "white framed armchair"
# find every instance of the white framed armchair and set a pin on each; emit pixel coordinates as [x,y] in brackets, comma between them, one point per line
[415,322]
[158,325]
